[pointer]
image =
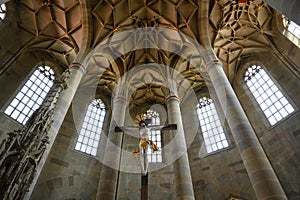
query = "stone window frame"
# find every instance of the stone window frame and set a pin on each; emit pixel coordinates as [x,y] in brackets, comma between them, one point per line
[258,63]
[20,94]
[228,139]
[290,34]
[86,129]
[155,132]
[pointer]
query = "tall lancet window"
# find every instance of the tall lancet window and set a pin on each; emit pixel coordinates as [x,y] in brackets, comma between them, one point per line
[211,126]
[31,95]
[155,136]
[89,136]
[273,103]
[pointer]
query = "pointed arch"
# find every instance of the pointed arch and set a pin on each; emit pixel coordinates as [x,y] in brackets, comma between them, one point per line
[271,100]
[89,136]
[211,126]
[155,136]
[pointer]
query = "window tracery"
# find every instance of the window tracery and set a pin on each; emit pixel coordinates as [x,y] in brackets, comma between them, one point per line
[155,136]
[31,95]
[273,103]
[89,136]
[212,129]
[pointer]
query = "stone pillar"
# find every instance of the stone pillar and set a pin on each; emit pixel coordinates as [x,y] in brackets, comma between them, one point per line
[183,179]
[64,101]
[261,174]
[289,8]
[107,188]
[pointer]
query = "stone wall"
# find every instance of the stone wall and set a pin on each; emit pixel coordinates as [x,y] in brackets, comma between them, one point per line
[13,79]
[281,141]
[218,175]
[161,179]
[68,173]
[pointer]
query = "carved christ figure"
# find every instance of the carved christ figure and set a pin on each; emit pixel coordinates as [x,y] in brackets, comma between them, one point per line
[144,141]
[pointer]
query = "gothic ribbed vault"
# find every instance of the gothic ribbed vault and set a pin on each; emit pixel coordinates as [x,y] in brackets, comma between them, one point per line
[61,30]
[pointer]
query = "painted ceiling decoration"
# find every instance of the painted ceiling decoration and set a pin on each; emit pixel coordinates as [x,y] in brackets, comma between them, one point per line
[236,29]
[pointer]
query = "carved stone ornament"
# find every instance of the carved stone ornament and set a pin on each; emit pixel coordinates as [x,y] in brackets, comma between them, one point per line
[22,150]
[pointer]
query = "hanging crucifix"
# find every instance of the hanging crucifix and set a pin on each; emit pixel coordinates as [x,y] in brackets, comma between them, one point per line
[145,144]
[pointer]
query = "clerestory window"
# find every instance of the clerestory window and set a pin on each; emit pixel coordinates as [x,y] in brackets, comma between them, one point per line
[155,136]
[273,103]
[30,97]
[211,126]
[291,31]
[89,136]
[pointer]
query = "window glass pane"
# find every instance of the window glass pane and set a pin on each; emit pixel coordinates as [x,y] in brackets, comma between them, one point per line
[155,136]
[291,31]
[212,130]
[274,104]
[88,140]
[26,100]
[294,29]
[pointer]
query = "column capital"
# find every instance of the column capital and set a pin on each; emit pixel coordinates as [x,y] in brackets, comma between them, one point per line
[172,97]
[212,63]
[77,65]
[120,98]
[210,59]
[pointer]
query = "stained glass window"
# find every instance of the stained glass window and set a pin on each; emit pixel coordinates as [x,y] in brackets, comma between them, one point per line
[212,129]
[273,103]
[31,95]
[89,136]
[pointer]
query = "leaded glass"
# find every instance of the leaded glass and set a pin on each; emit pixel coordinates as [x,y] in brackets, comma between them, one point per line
[212,129]
[273,103]
[31,95]
[155,136]
[89,136]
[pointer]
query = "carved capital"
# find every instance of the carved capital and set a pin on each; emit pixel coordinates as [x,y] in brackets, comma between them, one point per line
[172,97]
[78,66]
[210,59]
[120,98]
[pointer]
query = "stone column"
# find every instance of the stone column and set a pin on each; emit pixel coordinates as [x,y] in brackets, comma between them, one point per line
[261,174]
[183,179]
[64,101]
[107,188]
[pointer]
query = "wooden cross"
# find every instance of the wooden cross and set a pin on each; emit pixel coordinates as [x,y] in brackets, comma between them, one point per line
[144,132]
